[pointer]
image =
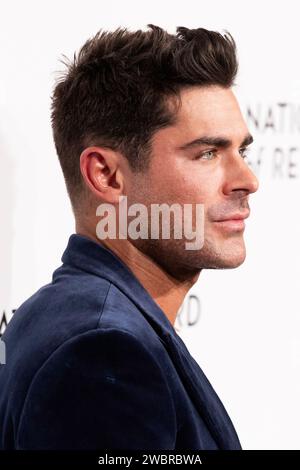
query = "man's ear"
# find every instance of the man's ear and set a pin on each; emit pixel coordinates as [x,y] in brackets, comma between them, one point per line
[101,170]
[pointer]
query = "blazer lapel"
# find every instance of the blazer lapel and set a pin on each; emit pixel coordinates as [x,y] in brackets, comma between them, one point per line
[203,395]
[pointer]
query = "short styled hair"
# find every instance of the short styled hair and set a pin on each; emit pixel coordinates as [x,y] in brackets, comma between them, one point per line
[116,92]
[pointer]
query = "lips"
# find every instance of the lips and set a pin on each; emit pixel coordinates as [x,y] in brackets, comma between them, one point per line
[235,216]
[233,222]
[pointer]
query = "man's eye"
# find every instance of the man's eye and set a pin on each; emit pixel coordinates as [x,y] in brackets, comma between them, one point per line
[211,154]
[208,155]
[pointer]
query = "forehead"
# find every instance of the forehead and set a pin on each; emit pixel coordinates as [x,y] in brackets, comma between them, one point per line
[210,110]
[206,111]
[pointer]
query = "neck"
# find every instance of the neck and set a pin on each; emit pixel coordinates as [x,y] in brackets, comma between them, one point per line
[165,290]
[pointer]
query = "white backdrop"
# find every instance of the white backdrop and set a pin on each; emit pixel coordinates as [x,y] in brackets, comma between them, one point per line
[247,334]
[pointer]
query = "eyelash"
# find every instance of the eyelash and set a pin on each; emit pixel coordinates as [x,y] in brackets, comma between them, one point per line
[244,149]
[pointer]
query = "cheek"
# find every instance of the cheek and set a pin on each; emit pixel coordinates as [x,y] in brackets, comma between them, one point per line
[196,186]
[185,181]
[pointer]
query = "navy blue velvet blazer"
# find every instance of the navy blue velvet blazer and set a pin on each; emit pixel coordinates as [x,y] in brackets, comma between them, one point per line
[92,362]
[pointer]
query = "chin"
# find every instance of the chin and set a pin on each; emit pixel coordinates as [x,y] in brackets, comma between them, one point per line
[232,258]
[228,255]
[232,263]
[221,263]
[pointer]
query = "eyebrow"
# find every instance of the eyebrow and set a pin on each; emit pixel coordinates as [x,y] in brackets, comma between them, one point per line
[215,142]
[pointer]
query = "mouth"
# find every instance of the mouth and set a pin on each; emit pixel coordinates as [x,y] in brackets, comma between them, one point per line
[233,222]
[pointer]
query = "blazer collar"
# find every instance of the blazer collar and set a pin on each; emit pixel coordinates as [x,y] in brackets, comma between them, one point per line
[90,256]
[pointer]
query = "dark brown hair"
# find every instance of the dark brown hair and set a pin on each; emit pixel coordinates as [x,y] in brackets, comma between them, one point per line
[116,92]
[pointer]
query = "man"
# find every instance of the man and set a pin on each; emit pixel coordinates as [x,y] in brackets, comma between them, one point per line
[92,358]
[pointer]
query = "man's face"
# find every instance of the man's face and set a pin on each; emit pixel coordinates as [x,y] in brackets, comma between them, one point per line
[214,174]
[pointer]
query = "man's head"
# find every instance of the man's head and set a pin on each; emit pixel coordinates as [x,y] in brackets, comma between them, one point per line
[124,117]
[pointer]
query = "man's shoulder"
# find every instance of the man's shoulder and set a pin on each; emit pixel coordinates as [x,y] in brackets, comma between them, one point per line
[68,305]
[76,307]
[77,303]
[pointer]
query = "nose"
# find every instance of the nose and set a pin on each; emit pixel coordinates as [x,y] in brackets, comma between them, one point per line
[239,176]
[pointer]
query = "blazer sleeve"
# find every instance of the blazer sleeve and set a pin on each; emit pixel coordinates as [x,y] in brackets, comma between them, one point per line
[101,389]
